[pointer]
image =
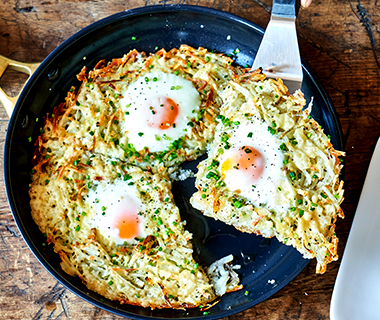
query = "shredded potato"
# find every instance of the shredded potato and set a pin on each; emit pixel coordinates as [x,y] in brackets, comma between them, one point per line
[102,89]
[311,185]
[82,148]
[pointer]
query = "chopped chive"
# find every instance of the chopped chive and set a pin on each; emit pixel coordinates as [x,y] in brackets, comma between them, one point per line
[283,146]
[237,203]
[292,175]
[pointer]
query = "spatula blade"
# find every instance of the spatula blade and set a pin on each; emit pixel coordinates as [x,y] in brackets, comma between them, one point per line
[278,54]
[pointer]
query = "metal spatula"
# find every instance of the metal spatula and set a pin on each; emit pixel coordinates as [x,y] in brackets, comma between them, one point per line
[278,54]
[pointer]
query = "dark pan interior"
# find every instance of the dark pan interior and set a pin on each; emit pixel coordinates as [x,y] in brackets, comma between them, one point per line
[261,260]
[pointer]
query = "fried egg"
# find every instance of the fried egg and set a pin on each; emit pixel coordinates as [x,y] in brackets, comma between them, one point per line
[117,212]
[252,165]
[157,108]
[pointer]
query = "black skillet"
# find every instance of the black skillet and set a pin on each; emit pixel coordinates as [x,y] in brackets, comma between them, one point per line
[266,265]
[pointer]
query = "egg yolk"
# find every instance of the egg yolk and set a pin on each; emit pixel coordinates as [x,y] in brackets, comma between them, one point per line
[163,113]
[128,225]
[247,160]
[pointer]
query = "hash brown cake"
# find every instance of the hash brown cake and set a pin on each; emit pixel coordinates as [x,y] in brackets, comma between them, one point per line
[271,170]
[101,182]
[106,204]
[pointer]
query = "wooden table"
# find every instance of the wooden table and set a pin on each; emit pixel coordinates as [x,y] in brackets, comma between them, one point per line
[341,42]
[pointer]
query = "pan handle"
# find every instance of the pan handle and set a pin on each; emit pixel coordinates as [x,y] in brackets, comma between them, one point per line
[28,68]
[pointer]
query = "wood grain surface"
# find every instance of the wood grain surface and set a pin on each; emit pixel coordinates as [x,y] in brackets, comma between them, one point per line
[340,40]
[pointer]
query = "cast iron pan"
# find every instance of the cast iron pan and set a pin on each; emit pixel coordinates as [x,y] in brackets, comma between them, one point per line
[266,265]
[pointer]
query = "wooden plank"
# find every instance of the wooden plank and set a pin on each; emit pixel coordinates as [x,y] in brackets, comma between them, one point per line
[340,41]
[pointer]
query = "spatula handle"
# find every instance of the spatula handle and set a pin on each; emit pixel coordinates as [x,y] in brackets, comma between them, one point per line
[285,8]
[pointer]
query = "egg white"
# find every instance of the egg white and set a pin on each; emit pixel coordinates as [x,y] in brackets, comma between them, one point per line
[135,105]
